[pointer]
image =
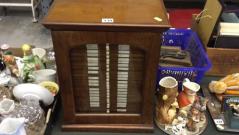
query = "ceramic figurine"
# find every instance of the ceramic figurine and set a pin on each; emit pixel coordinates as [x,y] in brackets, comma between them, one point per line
[167,103]
[196,113]
[179,125]
[187,97]
[4,49]
[26,49]
[201,105]
[191,124]
[31,63]
[4,73]
[9,60]
[190,119]
[11,64]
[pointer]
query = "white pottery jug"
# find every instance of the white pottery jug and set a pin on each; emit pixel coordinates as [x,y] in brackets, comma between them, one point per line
[191,87]
[12,126]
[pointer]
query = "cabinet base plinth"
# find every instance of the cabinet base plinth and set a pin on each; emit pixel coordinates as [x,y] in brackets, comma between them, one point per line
[146,128]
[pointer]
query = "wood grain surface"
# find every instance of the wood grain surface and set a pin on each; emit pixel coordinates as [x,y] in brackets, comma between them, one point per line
[224,61]
[88,14]
[107,71]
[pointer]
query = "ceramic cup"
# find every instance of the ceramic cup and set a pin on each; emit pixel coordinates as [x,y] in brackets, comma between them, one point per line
[44,75]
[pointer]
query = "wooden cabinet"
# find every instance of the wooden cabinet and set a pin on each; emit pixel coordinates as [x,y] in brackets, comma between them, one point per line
[107,56]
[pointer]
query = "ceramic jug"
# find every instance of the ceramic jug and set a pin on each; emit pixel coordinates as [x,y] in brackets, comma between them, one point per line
[191,88]
[187,97]
[167,104]
[12,126]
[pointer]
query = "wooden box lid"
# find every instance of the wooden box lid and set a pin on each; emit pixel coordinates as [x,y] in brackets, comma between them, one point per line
[207,20]
[88,14]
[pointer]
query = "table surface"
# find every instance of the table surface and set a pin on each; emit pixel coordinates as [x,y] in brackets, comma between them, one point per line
[210,130]
[123,12]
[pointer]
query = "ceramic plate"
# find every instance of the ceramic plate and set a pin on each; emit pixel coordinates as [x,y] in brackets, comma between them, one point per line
[33,90]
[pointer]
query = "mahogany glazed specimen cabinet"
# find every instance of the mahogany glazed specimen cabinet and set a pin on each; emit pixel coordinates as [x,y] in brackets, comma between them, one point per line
[107,55]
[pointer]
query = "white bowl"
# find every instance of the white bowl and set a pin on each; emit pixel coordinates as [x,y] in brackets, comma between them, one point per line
[44,75]
[27,90]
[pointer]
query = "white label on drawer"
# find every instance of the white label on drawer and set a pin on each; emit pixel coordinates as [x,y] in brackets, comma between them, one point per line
[219,121]
[107,20]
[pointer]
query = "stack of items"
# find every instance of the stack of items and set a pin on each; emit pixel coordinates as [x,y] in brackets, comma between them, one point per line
[228,85]
[226,91]
[182,56]
[228,35]
[174,57]
[180,113]
[224,52]
[28,83]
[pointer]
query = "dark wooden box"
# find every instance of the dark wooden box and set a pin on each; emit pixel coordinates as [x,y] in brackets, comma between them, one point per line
[107,56]
[224,60]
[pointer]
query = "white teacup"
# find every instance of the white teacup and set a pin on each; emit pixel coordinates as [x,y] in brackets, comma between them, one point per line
[44,75]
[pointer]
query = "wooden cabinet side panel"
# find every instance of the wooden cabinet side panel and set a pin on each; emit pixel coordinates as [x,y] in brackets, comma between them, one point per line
[64,75]
[152,60]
